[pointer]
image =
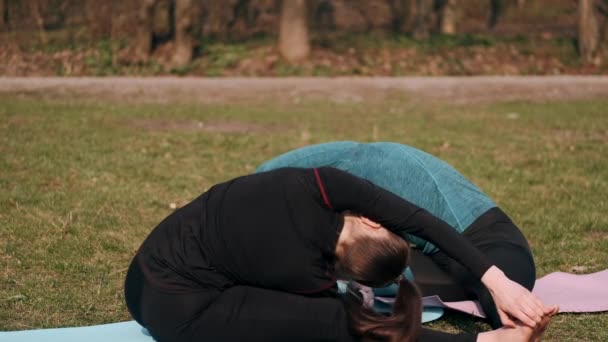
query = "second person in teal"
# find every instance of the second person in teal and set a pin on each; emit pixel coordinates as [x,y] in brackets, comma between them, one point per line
[434,185]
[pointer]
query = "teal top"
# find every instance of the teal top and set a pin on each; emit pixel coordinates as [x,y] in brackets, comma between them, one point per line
[414,175]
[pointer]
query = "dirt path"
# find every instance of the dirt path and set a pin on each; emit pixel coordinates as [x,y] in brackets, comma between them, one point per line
[343,89]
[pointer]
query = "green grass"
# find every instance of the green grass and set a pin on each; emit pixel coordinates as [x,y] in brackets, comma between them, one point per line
[84,182]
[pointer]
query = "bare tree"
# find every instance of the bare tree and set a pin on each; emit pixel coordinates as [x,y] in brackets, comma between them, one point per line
[99,17]
[588,30]
[218,15]
[294,44]
[37,8]
[3,15]
[404,15]
[145,29]
[424,18]
[448,17]
[496,9]
[603,10]
[178,17]
[421,17]
[184,41]
[521,3]
[324,15]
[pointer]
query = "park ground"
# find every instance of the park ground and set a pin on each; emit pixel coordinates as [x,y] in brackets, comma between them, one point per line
[90,166]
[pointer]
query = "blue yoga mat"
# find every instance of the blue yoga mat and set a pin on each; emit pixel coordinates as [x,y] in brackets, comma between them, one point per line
[429,313]
[114,332]
[133,332]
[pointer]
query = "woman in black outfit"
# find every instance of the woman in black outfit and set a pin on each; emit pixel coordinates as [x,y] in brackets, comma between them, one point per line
[257,258]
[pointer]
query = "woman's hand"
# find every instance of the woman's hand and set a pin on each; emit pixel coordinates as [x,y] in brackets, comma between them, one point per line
[513,300]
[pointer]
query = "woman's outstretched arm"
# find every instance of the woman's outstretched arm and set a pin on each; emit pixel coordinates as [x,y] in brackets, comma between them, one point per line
[343,191]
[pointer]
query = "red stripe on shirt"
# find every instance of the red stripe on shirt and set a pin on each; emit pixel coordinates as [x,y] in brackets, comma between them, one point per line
[323,193]
[323,288]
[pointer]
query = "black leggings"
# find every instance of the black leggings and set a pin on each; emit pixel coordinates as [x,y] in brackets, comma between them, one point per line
[496,236]
[239,313]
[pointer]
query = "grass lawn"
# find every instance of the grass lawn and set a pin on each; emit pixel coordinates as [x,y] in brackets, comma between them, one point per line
[84,182]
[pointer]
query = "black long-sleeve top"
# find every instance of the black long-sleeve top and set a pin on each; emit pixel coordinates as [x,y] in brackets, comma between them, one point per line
[279,230]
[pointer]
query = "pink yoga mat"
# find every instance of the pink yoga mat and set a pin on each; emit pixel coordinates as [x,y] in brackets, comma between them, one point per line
[572,292]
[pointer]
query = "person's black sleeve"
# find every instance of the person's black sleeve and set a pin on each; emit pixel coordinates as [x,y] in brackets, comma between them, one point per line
[342,191]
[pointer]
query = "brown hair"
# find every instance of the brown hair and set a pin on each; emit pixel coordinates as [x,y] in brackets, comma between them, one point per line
[375,262]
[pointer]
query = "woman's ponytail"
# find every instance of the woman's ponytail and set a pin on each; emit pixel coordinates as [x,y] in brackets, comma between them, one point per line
[374,262]
[408,309]
[403,325]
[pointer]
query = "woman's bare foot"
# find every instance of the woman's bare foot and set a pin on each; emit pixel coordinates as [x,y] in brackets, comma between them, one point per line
[521,333]
[542,326]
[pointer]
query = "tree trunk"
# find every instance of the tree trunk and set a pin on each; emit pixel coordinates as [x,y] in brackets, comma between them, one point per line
[36,10]
[145,28]
[114,21]
[604,25]
[219,14]
[588,31]
[496,9]
[294,44]
[411,16]
[184,41]
[404,15]
[449,17]
[521,3]
[3,15]
[424,19]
